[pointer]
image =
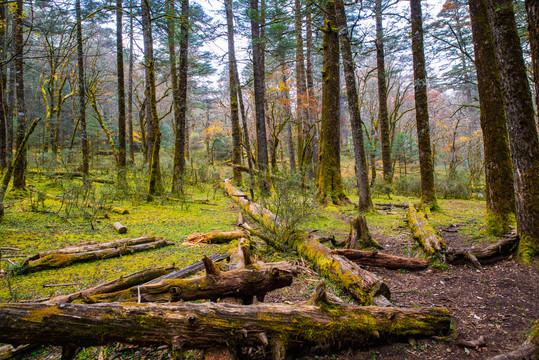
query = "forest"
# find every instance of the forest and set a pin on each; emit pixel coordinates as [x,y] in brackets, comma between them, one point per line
[269,179]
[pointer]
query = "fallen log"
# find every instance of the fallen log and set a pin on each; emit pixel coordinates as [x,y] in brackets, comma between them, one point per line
[146,276]
[71,175]
[375,258]
[485,254]
[359,235]
[268,240]
[241,283]
[423,232]
[402,206]
[528,350]
[206,325]
[363,285]
[218,237]
[121,229]
[9,352]
[54,261]
[93,246]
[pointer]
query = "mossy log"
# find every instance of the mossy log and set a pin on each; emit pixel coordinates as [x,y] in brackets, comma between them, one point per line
[218,237]
[375,258]
[71,175]
[363,285]
[10,352]
[54,261]
[86,247]
[359,235]
[241,283]
[423,232]
[323,325]
[528,350]
[485,254]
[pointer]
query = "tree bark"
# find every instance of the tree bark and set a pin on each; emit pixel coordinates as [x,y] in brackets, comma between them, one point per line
[82,95]
[206,325]
[19,167]
[375,258]
[219,237]
[301,89]
[259,89]
[329,179]
[428,192]
[130,87]
[521,125]
[532,9]
[154,133]
[498,166]
[3,109]
[383,117]
[241,283]
[122,154]
[423,232]
[233,90]
[359,235]
[362,176]
[363,285]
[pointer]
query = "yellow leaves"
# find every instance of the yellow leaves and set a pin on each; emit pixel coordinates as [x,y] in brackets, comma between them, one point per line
[217,128]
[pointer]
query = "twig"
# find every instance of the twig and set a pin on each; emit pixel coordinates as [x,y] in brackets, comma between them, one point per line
[58,285]
[9,248]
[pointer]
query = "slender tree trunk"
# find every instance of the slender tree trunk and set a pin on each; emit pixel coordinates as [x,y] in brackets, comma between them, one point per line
[258,74]
[121,91]
[82,96]
[329,179]
[233,88]
[498,166]
[383,118]
[11,96]
[3,128]
[521,124]
[301,90]
[312,103]
[154,186]
[288,115]
[532,9]
[362,175]
[428,192]
[19,166]
[130,88]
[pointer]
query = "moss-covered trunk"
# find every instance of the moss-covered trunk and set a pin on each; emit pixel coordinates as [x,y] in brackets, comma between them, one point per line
[19,167]
[180,95]
[532,9]
[428,192]
[521,124]
[383,116]
[362,173]
[154,130]
[328,177]
[3,127]
[498,166]
[122,154]
[302,127]
[130,89]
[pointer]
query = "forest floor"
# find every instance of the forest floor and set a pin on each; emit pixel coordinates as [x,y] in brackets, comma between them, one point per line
[498,302]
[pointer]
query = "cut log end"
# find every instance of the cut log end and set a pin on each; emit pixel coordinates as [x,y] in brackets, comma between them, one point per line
[121,229]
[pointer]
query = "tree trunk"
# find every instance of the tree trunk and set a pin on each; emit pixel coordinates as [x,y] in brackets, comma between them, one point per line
[155,186]
[82,95]
[521,125]
[383,117]
[375,258]
[233,89]
[532,9]
[423,232]
[121,91]
[3,109]
[242,283]
[363,285]
[206,325]
[498,166]
[181,98]
[218,237]
[301,89]
[311,98]
[362,176]
[19,167]
[130,87]
[258,75]
[359,235]
[428,192]
[329,179]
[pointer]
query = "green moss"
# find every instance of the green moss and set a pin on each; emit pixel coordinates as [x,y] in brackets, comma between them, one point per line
[37,315]
[499,225]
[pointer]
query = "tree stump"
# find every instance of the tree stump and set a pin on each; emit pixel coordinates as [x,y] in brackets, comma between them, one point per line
[359,236]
